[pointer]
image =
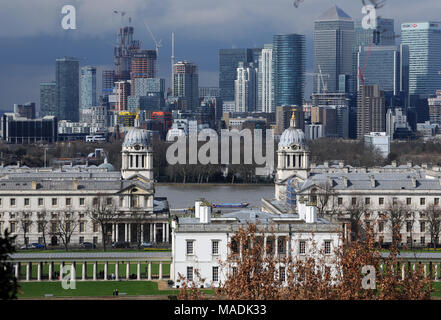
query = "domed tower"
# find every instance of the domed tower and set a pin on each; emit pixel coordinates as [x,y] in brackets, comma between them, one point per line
[292,159]
[137,154]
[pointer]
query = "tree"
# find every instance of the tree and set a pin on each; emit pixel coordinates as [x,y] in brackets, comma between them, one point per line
[103,212]
[65,225]
[354,212]
[8,282]
[396,214]
[43,225]
[325,200]
[433,215]
[25,224]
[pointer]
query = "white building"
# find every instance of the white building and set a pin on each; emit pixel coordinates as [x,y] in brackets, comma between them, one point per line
[69,127]
[395,118]
[202,242]
[265,80]
[245,88]
[31,197]
[313,131]
[380,141]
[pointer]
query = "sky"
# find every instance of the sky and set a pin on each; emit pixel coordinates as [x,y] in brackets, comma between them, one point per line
[31,36]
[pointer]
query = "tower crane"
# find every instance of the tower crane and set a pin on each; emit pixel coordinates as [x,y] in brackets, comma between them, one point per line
[157,44]
[320,75]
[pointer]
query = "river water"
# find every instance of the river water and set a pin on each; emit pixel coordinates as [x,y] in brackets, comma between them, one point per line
[183,195]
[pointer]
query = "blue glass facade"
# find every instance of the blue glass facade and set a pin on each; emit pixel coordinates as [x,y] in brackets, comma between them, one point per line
[67,89]
[289,69]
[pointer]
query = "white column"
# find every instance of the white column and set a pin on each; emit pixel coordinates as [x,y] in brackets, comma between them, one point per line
[127,270]
[149,276]
[106,264]
[129,232]
[138,271]
[151,232]
[163,232]
[276,247]
[28,271]
[403,271]
[117,271]
[264,246]
[160,270]
[117,232]
[142,232]
[172,271]
[39,271]
[167,233]
[425,269]
[51,270]
[84,271]
[72,272]
[17,270]
[154,232]
[94,270]
[61,270]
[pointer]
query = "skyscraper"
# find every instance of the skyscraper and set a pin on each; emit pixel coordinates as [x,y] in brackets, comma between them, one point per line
[123,52]
[122,90]
[67,89]
[245,88]
[333,43]
[424,42]
[288,69]
[265,88]
[143,66]
[88,87]
[228,62]
[48,106]
[108,82]
[364,37]
[371,110]
[186,84]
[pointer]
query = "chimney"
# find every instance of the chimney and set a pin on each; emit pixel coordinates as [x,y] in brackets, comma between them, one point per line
[34,185]
[18,164]
[205,213]
[414,181]
[424,166]
[373,182]
[311,214]
[3,164]
[410,164]
[326,164]
[341,164]
[75,184]
[394,164]
[345,181]
[197,208]
[346,170]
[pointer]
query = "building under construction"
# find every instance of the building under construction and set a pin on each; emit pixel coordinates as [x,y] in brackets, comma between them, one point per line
[123,52]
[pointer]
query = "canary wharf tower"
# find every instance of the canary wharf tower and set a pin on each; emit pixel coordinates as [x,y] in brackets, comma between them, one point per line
[333,42]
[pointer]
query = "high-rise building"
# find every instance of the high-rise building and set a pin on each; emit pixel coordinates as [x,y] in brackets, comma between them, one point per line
[333,43]
[424,42]
[435,108]
[396,119]
[265,88]
[122,92]
[289,69]
[143,66]
[371,110]
[228,62]
[26,110]
[88,87]
[245,88]
[67,89]
[209,92]
[108,82]
[388,66]
[48,106]
[284,115]
[186,84]
[384,37]
[123,53]
[149,87]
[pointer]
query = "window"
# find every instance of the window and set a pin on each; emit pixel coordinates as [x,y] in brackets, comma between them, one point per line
[367,201]
[327,247]
[234,246]
[302,247]
[95,240]
[12,201]
[422,226]
[190,273]
[40,201]
[0,201]
[215,247]
[40,227]
[381,201]
[423,240]
[190,247]
[12,226]
[394,201]
[26,202]
[68,201]
[340,201]
[81,240]
[381,226]
[422,201]
[81,226]
[409,226]
[282,273]
[95,201]
[95,227]
[234,271]
[81,201]
[354,201]
[40,240]
[215,274]
[54,201]
[408,201]
[109,201]
[281,246]
[435,201]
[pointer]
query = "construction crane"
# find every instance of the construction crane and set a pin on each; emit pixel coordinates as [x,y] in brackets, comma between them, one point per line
[320,79]
[157,44]
[122,13]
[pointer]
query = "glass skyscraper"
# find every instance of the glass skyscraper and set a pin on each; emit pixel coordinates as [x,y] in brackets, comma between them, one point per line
[88,87]
[333,43]
[364,37]
[289,69]
[48,106]
[67,89]
[228,62]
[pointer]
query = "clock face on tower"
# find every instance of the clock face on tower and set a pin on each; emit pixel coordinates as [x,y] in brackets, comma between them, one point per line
[137,147]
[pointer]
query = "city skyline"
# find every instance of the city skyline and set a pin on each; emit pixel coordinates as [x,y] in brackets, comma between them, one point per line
[193,42]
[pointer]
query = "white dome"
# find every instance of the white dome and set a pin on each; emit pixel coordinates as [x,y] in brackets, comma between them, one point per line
[292,136]
[137,136]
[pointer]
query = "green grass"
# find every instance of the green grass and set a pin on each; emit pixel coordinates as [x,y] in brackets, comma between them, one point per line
[92,289]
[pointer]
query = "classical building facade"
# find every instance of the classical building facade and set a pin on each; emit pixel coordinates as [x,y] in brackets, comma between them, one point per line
[35,202]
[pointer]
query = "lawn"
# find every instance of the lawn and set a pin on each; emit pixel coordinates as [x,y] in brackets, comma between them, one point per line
[92,289]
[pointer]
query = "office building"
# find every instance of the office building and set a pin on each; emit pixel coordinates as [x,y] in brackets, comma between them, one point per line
[333,43]
[371,110]
[265,88]
[143,65]
[108,82]
[379,141]
[67,89]
[209,92]
[245,88]
[88,87]
[122,92]
[435,108]
[396,124]
[228,62]
[289,69]
[48,106]
[20,130]
[186,83]
[149,87]
[26,110]
[125,48]
[284,118]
